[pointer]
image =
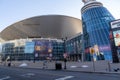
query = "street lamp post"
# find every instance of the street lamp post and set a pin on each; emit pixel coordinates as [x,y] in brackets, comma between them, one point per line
[65,54]
[65,60]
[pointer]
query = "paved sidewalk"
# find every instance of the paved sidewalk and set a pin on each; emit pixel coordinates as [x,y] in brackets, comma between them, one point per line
[98,66]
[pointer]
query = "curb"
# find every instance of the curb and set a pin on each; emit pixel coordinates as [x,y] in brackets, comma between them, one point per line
[65,70]
[93,72]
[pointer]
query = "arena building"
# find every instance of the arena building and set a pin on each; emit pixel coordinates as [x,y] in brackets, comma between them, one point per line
[43,37]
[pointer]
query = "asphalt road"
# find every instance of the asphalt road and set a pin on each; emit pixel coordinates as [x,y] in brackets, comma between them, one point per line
[9,73]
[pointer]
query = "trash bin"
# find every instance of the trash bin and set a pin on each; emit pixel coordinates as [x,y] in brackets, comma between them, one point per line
[58,66]
[9,64]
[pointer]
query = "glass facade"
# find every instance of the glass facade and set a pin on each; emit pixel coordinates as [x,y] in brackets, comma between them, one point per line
[42,49]
[26,49]
[74,47]
[96,19]
[58,50]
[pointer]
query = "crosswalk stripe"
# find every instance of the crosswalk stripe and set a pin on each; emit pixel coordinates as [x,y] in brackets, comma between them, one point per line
[64,78]
[7,77]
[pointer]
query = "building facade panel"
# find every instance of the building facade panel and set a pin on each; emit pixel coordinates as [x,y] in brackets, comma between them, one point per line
[39,49]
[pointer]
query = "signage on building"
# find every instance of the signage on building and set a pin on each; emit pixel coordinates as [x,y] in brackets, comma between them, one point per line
[115,24]
[116,35]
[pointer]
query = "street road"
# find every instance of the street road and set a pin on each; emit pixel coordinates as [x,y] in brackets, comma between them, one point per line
[10,73]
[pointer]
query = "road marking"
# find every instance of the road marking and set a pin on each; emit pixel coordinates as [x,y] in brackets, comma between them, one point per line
[7,77]
[64,78]
[28,75]
[112,75]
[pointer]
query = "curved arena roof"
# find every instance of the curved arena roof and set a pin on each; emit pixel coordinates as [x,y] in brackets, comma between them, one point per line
[49,26]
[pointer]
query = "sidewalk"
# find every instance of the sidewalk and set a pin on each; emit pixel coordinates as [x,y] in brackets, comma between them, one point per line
[98,66]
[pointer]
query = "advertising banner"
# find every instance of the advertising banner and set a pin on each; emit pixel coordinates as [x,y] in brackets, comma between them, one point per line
[117,42]
[117,37]
[29,47]
[43,47]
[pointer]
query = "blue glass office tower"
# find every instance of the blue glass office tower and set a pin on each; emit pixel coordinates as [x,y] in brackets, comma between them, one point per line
[95,22]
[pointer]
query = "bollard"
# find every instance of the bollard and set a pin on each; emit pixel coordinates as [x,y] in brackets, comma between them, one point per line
[58,66]
[9,64]
[115,70]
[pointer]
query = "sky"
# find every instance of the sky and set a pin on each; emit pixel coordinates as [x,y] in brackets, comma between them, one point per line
[12,11]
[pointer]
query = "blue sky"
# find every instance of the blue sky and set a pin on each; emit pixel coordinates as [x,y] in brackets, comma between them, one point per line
[15,10]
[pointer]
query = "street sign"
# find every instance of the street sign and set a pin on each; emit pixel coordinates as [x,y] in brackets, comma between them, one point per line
[65,55]
[92,51]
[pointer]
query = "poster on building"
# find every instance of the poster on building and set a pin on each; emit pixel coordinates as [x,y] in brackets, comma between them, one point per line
[29,47]
[117,42]
[43,47]
[116,35]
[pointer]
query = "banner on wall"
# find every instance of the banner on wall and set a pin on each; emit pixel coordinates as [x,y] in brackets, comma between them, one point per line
[29,47]
[43,46]
[116,35]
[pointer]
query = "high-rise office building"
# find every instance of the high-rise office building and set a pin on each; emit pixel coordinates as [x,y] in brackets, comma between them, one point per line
[96,19]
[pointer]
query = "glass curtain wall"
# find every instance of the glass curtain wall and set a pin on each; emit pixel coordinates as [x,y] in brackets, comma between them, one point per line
[96,31]
[74,48]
